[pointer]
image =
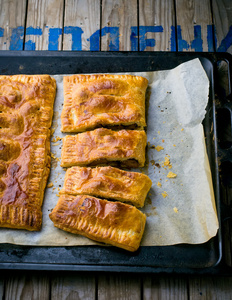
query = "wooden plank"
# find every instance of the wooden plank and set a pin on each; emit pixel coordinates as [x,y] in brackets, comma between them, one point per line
[73,286]
[81,21]
[2,281]
[222,16]
[27,286]
[165,287]
[44,25]
[193,18]
[119,287]
[159,17]
[227,241]
[117,18]
[12,21]
[210,287]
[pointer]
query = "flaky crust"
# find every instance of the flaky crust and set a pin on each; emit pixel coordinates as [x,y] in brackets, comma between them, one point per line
[92,101]
[107,182]
[114,223]
[104,145]
[26,110]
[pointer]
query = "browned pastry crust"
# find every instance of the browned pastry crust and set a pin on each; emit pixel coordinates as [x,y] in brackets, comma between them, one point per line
[104,145]
[113,223]
[107,182]
[26,109]
[92,101]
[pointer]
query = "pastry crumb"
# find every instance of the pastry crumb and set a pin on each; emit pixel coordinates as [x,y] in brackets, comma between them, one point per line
[167,163]
[159,184]
[171,175]
[158,132]
[56,139]
[175,210]
[182,129]
[53,156]
[159,148]
[164,194]
[50,185]
[174,145]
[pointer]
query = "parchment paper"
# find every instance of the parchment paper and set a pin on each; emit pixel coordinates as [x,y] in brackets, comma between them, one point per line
[179,210]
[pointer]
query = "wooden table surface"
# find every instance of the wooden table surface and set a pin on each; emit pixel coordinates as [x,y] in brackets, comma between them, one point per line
[117,25]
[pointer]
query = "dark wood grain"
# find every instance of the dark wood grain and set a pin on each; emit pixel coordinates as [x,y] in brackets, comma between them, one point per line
[210,287]
[2,282]
[119,287]
[165,287]
[27,286]
[73,286]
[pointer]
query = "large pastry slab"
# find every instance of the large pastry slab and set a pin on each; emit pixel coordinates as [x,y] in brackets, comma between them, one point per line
[102,145]
[26,110]
[107,182]
[92,101]
[114,223]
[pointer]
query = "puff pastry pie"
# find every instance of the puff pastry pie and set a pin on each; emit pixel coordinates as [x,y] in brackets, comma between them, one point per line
[104,145]
[107,182]
[26,110]
[91,101]
[113,223]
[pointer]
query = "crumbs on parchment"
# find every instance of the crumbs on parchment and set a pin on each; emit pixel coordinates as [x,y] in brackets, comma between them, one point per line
[159,184]
[164,194]
[175,210]
[171,175]
[159,148]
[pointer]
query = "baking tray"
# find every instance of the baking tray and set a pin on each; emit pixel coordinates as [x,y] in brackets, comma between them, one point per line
[182,258]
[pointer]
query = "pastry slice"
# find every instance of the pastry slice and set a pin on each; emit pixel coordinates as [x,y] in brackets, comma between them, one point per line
[92,101]
[107,182]
[113,223]
[26,110]
[102,145]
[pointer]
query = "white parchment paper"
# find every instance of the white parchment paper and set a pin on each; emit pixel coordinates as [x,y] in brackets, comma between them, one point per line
[180,209]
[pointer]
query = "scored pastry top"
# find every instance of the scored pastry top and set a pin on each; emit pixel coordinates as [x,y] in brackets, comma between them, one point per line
[102,146]
[113,223]
[107,182]
[92,101]
[26,110]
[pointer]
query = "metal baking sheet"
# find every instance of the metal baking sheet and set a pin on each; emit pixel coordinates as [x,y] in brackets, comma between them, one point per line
[202,258]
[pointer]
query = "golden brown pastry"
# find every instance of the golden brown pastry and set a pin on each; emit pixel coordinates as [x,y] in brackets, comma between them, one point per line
[104,145]
[26,110]
[113,223]
[92,101]
[107,182]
